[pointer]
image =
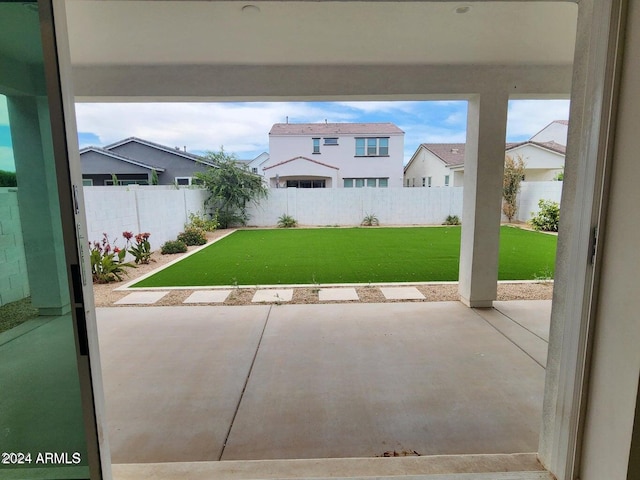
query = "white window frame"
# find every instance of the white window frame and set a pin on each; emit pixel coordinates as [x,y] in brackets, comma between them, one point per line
[87,182]
[315,145]
[188,179]
[429,182]
[447,180]
[366,141]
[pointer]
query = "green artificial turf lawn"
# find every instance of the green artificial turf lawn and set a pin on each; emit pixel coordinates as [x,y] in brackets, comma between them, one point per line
[350,255]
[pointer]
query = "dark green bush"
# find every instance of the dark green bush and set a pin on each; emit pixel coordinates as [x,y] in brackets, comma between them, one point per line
[548,216]
[8,179]
[193,236]
[173,246]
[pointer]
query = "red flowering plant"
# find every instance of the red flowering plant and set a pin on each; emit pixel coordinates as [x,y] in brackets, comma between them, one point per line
[141,249]
[107,262]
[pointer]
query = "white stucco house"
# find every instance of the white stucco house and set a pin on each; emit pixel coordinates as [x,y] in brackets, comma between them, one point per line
[255,165]
[334,155]
[442,164]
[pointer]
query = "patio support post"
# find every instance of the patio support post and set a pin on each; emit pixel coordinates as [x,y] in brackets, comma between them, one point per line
[482,198]
[38,203]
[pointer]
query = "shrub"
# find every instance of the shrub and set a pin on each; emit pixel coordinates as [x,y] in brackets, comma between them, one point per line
[107,263]
[141,249]
[370,220]
[513,174]
[287,221]
[173,246]
[548,216]
[452,220]
[202,223]
[193,236]
[227,219]
[8,179]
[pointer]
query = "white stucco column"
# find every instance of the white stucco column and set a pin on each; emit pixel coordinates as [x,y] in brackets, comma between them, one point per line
[482,199]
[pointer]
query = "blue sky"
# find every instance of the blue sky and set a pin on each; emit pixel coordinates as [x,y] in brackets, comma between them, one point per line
[243,128]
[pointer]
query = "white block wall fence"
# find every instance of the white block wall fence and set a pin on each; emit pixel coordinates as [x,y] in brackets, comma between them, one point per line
[14,282]
[160,210]
[348,206]
[163,211]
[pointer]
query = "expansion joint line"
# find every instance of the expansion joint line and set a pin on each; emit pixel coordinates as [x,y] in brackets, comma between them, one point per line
[506,336]
[246,382]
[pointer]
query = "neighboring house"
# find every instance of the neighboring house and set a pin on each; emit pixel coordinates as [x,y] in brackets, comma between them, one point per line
[334,155]
[133,161]
[255,165]
[436,165]
[442,164]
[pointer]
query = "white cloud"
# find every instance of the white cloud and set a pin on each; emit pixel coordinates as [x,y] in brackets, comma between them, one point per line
[528,117]
[240,128]
[6,159]
[381,107]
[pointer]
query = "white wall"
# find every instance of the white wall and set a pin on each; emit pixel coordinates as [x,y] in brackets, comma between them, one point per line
[531,193]
[14,282]
[160,210]
[283,148]
[613,383]
[348,206]
[426,164]
[555,132]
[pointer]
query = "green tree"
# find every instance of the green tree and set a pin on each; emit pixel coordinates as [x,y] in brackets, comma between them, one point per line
[232,188]
[8,179]
[513,175]
[154,177]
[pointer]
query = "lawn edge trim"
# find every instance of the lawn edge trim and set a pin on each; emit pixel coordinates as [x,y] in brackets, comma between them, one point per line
[314,285]
[128,286]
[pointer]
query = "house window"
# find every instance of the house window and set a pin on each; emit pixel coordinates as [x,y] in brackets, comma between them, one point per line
[413,182]
[428,181]
[408,184]
[254,169]
[446,180]
[306,184]
[316,145]
[366,182]
[183,180]
[331,141]
[87,182]
[127,182]
[372,147]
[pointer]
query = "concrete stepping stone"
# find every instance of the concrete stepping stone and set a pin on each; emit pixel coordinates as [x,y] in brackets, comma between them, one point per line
[337,294]
[208,296]
[141,298]
[273,296]
[401,293]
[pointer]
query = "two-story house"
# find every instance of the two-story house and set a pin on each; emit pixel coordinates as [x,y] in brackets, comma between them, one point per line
[442,164]
[334,155]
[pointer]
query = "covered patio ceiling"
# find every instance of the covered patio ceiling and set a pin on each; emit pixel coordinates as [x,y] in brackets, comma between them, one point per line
[225,50]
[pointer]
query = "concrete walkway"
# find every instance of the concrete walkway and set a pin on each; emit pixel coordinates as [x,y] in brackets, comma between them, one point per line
[208,383]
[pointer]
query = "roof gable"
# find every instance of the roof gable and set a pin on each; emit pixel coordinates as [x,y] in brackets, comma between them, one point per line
[122,158]
[164,148]
[451,154]
[294,159]
[552,146]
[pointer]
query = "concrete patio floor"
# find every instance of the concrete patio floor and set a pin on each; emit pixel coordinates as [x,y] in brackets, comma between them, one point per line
[260,382]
